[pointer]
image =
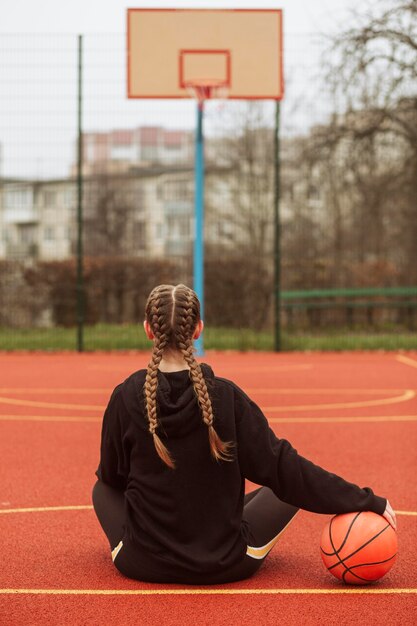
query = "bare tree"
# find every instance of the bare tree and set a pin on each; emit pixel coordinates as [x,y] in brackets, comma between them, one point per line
[248,150]
[373,64]
[240,221]
[109,213]
[372,74]
[303,230]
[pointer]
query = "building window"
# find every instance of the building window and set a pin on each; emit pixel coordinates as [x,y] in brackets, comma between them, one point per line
[139,235]
[69,198]
[225,230]
[181,189]
[139,197]
[178,227]
[18,198]
[159,230]
[49,198]
[149,153]
[184,226]
[27,233]
[313,193]
[49,233]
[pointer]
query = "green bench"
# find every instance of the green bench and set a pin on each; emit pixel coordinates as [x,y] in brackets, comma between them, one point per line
[316,300]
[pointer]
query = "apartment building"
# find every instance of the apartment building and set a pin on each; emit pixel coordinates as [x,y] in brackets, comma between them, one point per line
[142,212]
[117,150]
[36,219]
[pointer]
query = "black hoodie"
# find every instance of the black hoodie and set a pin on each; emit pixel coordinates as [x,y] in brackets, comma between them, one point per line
[188,521]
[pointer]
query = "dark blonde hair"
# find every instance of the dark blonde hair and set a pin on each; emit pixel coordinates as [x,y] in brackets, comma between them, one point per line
[173,314]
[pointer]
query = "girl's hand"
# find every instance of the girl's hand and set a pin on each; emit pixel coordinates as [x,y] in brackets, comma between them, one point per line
[390,515]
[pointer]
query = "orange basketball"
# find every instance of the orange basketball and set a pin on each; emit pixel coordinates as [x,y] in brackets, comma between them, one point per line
[358,548]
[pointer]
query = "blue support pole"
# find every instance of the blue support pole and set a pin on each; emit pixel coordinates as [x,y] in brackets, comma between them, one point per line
[199,218]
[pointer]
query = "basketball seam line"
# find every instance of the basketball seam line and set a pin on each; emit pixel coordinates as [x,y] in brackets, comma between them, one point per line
[375,563]
[342,561]
[336,552]
[350,568]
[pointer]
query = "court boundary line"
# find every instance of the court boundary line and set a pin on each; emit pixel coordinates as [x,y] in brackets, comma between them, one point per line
[406,360]
[89,507]
[263,390]
[224,369]
[51,405]
[64,390]
[319,390]
[272,420]
[204,591]
[343,420]
[52,418]
[47,509]
[408,394]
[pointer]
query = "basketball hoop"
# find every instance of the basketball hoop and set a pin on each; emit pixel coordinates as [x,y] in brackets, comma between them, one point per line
[206,44]
[210,43]
[207,89]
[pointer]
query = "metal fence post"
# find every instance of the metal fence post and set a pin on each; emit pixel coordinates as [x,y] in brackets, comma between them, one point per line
[277,234]
[199,219]
[80,272]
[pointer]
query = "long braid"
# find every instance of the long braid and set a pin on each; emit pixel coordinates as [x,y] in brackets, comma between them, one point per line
[161,332]
[185,326]
[173,314]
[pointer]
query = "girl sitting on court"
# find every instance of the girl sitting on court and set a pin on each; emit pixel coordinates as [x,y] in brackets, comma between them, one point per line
[178,443]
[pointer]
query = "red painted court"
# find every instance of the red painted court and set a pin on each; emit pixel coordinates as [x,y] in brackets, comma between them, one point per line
[353,413]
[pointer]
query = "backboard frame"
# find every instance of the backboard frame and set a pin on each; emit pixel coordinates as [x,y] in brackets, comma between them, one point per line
[131,94]
[182,61]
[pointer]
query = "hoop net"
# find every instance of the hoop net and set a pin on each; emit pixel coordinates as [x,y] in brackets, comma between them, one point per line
[207,89]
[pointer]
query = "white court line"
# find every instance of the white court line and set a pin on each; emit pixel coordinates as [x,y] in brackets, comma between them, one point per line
[47,509]
[295,391]
[65,390]
[51,405]
[342,420]
[206,592]
[263,390]
[223,369]
[408,394]
[49,418]
[271,420]
[89,507]
[406,360]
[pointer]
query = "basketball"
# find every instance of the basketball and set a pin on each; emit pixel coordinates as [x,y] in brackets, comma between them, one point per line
[358,548]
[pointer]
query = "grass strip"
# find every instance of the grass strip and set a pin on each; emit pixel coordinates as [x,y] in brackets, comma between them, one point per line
[132,337]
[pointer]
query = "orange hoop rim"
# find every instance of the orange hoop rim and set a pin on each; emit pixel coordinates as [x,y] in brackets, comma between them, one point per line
[207,88]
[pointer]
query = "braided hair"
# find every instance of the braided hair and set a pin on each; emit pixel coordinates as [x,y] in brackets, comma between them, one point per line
[173,314]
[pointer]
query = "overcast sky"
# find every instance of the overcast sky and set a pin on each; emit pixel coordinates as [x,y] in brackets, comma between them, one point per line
[38,76]
[108,16]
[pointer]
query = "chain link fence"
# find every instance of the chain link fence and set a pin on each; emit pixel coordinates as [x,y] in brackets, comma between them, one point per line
[348,219]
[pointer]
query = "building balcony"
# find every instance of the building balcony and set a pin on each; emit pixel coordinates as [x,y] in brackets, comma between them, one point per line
[177,247]
[178,207]
[20,216]
[22,251]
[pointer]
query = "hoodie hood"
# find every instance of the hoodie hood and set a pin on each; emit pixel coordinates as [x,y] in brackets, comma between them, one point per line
[177,405]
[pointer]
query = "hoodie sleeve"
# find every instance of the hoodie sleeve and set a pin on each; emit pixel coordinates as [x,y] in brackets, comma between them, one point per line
[266,460]
[114,461]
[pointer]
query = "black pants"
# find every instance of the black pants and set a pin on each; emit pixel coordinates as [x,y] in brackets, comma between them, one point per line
[266,515]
